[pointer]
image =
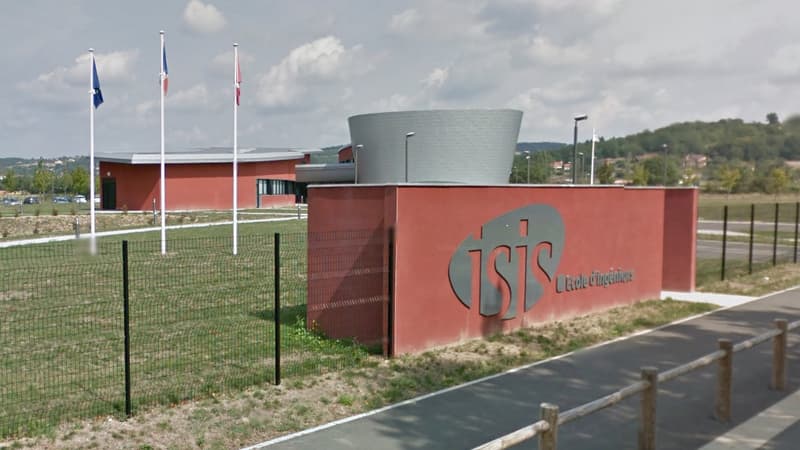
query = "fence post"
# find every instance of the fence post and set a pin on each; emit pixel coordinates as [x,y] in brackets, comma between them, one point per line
[796,223]
[548,440]
[126,327]
[775,237]
[779,356]
[277,284]
[752,232]
[722,406]
[390,295]
[647,427]
[724,239]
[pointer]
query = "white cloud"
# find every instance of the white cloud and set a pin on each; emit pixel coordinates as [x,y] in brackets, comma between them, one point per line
[318,62]
[785,62]
[202,17]
[405,21]
[110,67]
[59,85]
[395,102]
[225,59]
[436,78]
[593,7]
[542,50]
[192,98]
[191,137]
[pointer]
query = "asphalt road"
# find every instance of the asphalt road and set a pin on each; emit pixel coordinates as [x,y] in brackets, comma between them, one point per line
[744,227]
[472,415]
[736,250]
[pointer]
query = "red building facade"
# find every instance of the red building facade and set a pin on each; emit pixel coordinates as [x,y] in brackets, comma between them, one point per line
[133,184]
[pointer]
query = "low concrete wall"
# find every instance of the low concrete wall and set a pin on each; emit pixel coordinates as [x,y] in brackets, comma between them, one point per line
[475,260]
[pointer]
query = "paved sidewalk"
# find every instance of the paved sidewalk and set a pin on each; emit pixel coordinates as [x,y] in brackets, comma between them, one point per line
[85,236]
[767,427]
[724,300]
[475,413]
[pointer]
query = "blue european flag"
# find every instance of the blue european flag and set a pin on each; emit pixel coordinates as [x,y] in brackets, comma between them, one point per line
[97,94]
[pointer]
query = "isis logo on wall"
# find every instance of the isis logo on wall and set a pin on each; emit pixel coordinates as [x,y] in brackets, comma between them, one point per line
[508,242]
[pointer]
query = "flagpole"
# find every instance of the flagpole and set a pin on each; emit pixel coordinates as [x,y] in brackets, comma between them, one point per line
[163,178]
[92,243]
[591,176]
[235,147]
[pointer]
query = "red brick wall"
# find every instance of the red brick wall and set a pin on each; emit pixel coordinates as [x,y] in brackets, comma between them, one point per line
[604,228]
[680,239]
[345,291]
[193,186]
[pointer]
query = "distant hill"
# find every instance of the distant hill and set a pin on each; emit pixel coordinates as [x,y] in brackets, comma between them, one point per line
[26,166]
[538,146]
[726,139]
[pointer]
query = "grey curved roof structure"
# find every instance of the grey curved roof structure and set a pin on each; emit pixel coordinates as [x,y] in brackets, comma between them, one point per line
[449,146]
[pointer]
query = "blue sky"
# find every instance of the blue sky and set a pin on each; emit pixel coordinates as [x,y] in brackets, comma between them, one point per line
[308,65]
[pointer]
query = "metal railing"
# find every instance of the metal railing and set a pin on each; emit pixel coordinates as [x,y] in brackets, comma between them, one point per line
[547,428]
[770,233]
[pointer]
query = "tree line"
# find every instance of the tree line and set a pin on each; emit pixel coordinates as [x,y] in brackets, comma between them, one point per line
[45,180]
[741,157]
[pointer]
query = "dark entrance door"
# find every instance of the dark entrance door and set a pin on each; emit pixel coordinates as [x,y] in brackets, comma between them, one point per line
[109,195]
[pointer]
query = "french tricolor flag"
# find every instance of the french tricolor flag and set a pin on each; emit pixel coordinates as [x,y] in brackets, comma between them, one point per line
[164,70]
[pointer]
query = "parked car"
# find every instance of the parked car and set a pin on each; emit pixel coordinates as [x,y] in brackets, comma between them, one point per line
[79,199]
[31,201]
[60,200]
[10,201]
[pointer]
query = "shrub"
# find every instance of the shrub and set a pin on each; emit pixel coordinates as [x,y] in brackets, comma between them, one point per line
[37,211]
[55,211]
[73,210]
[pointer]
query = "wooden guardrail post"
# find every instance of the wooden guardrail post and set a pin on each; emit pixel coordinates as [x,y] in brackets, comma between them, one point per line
[548,440]
[779,355]
[647,427]
[722,406]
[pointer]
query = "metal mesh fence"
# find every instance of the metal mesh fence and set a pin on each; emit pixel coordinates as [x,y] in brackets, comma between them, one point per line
[346,289]
[200,320]
[749,238]
[60,335]
[200,317]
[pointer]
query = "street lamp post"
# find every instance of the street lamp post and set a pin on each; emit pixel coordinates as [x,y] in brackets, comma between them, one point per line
[355,158]
[528,158]
[664,146]
[575,146]
[583,167]
[408,135]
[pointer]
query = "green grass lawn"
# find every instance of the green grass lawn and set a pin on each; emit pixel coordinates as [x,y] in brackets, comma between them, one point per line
[710,207]
[201,321]
[45,208]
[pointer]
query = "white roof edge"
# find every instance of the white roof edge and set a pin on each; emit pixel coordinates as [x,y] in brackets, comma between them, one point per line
[200,158]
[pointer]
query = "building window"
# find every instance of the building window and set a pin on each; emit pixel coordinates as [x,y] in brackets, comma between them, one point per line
[275,187]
